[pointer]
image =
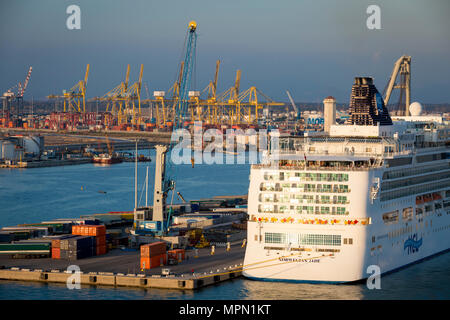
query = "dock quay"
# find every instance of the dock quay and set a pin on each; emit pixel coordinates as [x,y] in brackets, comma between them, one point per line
[47,163]
[118,146]
[121,268]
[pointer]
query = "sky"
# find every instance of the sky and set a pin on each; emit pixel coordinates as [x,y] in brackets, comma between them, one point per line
[313,48]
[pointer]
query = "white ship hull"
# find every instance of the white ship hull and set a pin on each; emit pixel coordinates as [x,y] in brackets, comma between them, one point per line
[350,264]
[285,243]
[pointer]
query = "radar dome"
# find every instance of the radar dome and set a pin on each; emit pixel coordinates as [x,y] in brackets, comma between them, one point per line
[415,109]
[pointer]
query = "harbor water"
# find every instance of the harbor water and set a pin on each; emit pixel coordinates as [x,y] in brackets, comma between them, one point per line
[35,195]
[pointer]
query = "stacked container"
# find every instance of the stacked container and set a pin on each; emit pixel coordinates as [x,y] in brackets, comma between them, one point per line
[77,248]
[153,255]
[96,231]
[56,245]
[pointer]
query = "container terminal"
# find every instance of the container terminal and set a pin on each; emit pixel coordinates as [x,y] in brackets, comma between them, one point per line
[205,245]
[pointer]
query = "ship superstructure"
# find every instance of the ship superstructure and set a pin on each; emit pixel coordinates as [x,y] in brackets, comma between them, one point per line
[375,191]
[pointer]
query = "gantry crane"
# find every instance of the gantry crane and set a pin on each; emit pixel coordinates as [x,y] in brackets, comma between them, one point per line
[248,106]
[116,99]
[207,110]
[165,107]
[132,94]
[403,67]
[75,97]
[243,108]
[228,100]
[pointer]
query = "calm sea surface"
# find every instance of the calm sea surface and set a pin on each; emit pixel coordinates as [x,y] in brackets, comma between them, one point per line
[35,195]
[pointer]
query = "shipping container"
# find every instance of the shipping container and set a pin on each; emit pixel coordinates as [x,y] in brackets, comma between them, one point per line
[75,254]
[56,240]
[24,248]
[89,230]
[78,242]
[99,230]
[100,250]
[153,249]
[100,240]
[56,253]
[5,237]
[153,262]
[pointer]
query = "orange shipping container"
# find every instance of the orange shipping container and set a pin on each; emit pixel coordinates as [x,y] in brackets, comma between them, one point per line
[153,249]
[89,230]
[96,230]
[84,231]
[153,262]
[56,243]
[100,240]
[56,253]
[100,250]
[76,230]
[100,230]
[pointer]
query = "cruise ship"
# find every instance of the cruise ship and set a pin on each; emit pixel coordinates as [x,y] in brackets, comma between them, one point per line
[375,191]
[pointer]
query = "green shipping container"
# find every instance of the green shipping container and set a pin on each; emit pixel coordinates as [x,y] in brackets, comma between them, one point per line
[14,248]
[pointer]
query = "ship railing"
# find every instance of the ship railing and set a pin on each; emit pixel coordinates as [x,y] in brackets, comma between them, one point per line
[430,149]
[344,153]
[311,167]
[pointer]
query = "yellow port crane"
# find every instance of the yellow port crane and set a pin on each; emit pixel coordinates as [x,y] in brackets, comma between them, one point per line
[165,108]
[133,93]
[228,100]
[243,108]
[116,99]
[207,110]
[75,97]
[248,106]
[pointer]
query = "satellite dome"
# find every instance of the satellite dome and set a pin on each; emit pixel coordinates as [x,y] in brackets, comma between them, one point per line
[415,109]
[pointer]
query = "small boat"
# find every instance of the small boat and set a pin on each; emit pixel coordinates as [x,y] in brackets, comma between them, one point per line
[106,158]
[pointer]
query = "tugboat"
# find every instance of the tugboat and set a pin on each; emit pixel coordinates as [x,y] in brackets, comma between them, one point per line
[106,158]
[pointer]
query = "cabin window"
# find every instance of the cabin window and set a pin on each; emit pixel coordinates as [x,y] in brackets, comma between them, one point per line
[407,214]
[390,217]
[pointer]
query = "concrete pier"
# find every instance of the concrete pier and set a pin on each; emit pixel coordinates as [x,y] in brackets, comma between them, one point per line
[132,280]
[121,269]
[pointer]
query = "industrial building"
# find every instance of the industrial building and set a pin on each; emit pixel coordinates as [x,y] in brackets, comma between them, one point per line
[18,148]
